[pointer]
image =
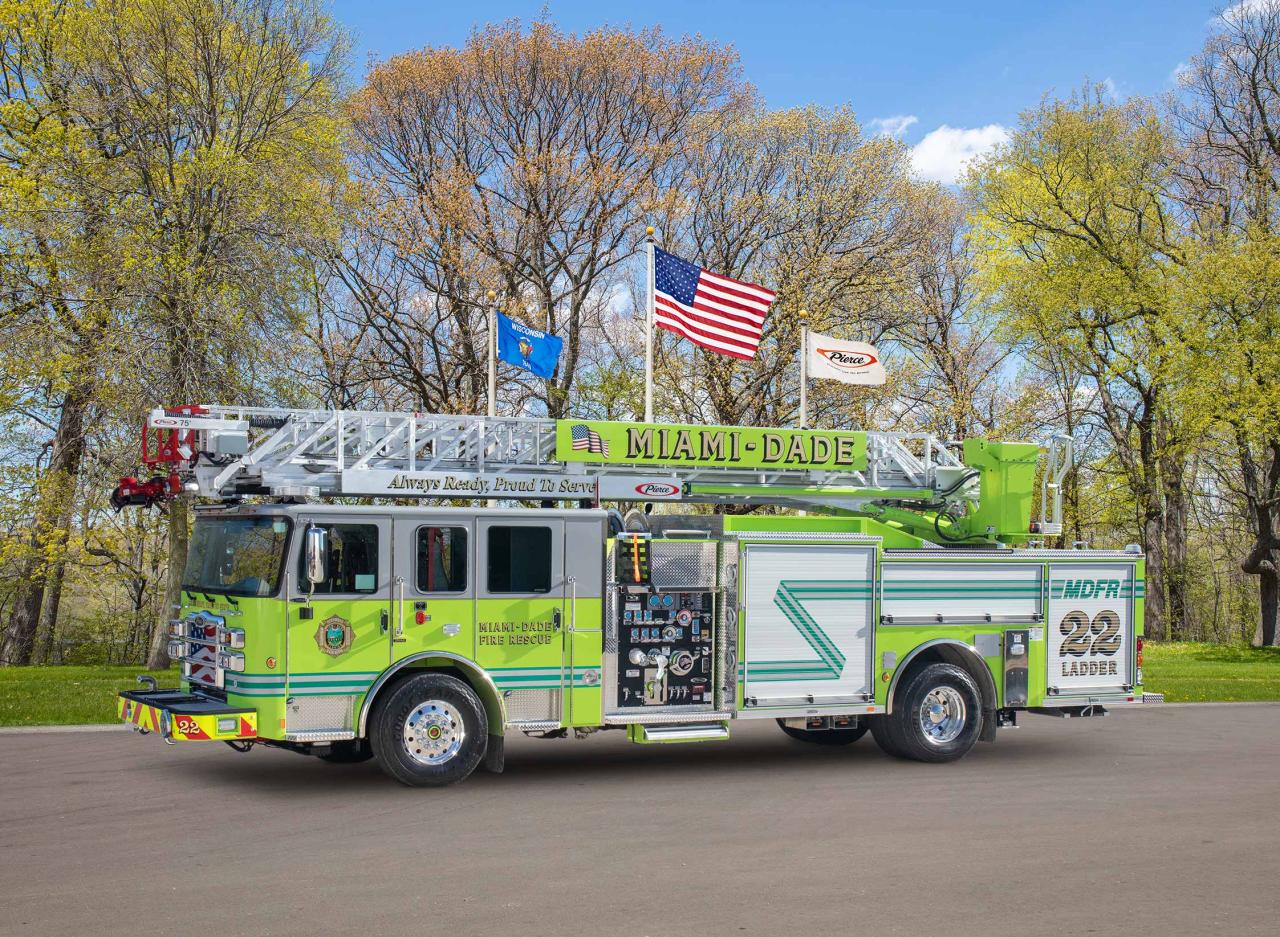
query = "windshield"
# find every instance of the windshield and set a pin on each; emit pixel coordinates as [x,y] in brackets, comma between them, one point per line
[236,555]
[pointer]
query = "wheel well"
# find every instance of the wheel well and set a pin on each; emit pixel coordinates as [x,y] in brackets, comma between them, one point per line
[438,662]
[947,652]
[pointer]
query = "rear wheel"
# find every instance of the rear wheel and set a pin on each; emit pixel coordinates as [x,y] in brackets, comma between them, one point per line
[430,731]
[842,736]
[937,716]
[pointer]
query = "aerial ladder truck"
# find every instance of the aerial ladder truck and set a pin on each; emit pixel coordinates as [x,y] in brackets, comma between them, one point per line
[412,587]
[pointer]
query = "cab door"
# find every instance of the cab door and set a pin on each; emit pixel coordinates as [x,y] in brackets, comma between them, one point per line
[434,588]
[338,628]
[520,613]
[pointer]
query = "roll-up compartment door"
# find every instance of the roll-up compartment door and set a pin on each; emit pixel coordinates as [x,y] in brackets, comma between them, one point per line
[808,627]
[1090,628]
[919,592]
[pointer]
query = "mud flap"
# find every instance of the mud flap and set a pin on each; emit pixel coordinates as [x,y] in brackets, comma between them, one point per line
[494,755]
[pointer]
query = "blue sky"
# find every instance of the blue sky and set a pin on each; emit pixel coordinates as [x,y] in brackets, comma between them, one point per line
[963,71]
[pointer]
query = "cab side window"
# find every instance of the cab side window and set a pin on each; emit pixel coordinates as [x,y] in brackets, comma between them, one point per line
[351,562]
[519,559]
[442,559]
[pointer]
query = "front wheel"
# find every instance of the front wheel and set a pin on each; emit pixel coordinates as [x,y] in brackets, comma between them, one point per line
[843,736]
[430,731]
[937,716]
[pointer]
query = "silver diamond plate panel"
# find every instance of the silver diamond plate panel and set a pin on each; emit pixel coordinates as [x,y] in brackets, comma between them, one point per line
[683,564]
[318,714]
[532,705]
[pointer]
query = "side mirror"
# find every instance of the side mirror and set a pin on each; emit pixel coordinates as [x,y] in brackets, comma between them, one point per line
[316,544]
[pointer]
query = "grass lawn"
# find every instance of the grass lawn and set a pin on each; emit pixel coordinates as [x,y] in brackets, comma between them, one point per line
[1187,672]
[32,696]
[1184,672]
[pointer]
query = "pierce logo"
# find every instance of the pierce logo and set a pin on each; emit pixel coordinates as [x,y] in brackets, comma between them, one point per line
[846,360]
[658,490]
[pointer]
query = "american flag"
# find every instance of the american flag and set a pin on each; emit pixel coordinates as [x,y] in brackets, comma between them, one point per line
[716,312]
[588,440]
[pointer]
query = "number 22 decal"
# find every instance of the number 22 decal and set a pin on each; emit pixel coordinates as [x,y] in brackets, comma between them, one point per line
[1082,636]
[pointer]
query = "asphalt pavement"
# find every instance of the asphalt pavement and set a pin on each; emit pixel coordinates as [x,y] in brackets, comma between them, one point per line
[1153,821]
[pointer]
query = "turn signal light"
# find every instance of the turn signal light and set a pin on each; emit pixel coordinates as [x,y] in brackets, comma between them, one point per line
[419,617]
[1139,652]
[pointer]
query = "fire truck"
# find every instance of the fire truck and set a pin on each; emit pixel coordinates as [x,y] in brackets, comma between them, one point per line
[412,587]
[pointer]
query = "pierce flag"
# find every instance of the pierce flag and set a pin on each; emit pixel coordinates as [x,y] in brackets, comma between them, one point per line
[839,360]
[528,348]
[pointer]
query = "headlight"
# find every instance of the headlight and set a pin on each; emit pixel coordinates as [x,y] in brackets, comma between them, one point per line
[230,637]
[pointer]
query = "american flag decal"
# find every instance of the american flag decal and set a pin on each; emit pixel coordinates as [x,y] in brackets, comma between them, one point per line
[586,439]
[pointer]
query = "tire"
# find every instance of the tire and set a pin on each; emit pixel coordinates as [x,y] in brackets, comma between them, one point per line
[348,753]
[429,731]
[845,736]
[880,732]
[937,716]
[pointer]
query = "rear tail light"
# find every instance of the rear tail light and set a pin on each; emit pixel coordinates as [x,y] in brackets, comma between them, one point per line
[1139,652]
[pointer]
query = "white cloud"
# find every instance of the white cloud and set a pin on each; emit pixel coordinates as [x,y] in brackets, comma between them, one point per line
[894,126]
[1237,10]
[1180,72]
[1109,86]
[942,155]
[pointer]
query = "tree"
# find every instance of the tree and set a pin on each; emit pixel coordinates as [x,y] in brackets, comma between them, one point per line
[1078,242]
[221,120]
[806,203]
[63,290]
[524,163]
[1229,120]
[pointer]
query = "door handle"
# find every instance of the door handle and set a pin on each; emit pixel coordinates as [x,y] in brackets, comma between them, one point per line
[555,619]
[399,636]
[385,621]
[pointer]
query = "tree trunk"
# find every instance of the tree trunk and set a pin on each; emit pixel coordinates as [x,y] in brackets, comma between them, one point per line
[1269,593]
[1178,612]
[55,497]
[158,656]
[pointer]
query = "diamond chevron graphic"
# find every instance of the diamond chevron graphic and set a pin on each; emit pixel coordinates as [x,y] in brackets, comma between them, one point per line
[791,597]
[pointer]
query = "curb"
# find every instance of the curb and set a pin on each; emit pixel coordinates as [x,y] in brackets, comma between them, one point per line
[54,730]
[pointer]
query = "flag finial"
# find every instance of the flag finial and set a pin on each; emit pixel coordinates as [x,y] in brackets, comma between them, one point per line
[804,313]
[649,231]
[491,295]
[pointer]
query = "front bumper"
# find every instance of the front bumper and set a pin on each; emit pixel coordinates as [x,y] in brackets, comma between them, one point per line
[180,716]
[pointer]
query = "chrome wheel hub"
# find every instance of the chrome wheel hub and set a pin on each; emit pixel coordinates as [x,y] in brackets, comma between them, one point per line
[942,715]
[433,732]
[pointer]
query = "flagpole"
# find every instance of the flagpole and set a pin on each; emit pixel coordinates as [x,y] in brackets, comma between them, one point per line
[493,353]
[804,368]
[648,329]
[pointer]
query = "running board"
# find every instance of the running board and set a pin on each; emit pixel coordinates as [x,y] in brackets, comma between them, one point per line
[700,732]
[1071,712]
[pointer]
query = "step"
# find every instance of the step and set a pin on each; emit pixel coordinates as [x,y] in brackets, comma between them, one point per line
[687,732]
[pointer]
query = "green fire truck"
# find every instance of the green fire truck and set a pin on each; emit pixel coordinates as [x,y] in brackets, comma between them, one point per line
[338,602]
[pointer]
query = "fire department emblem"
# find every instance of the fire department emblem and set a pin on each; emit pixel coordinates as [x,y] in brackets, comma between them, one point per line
[334,636]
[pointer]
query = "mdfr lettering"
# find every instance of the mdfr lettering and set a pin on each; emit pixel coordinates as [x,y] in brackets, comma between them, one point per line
[1091,589]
